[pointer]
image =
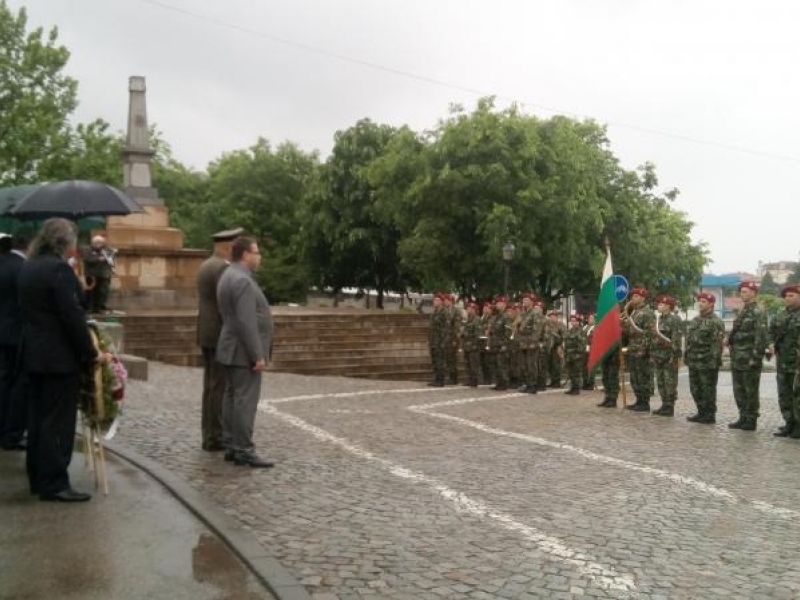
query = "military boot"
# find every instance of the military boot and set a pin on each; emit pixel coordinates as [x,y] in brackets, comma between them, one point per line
[573,391]
[795,435]
[783,431]
[749,424]
[694,418]
[643,406]
[706,418]
[737,424]
[666,410]
[608,403]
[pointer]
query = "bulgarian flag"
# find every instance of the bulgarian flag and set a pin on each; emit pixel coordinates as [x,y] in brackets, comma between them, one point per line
[607,330]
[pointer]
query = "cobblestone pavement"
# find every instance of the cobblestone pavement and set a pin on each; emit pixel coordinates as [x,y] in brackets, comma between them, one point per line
[396,490]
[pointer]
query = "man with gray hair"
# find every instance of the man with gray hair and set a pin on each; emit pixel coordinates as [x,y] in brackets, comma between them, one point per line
[98,268]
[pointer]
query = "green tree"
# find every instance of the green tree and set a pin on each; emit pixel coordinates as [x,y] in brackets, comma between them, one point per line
[261,189]
[768,285]
[87,151]
[348,235]
[36,97]
[795,276]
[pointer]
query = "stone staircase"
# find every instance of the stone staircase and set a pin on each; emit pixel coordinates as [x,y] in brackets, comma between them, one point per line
[369,344]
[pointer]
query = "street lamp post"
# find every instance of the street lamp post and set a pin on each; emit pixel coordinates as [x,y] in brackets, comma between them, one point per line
[508,255]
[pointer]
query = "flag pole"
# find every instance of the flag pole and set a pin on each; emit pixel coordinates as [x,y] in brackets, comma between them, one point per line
[621,353]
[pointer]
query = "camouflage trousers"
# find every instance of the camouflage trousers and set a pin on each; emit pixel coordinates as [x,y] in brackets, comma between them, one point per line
[543,368]
[530,361]
[556,367]
[501,368]
[745,391]
[703,386]
[438,363]
[641,371]
[589,378]
[610,375]
[786,397]
[515,365]
[487,366]
[451,362]
[574,366]
[667,381]
[472,358]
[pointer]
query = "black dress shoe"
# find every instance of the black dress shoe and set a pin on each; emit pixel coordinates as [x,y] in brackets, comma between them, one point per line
[68,495]
[252,460]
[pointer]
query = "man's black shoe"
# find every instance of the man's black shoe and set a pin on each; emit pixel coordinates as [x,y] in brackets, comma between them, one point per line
[643,407]
[694,418]
[706,419]
[229,455]
[748,425]
[68,495]
[436,384]
[252,460]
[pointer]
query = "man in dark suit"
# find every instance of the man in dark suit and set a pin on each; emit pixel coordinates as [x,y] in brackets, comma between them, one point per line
[13,409]
[209,324]
[245,348]
[55,348]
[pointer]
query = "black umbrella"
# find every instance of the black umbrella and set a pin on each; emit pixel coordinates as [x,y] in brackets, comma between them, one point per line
[72,200]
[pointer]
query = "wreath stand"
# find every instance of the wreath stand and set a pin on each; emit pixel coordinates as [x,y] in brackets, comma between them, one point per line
[95,453]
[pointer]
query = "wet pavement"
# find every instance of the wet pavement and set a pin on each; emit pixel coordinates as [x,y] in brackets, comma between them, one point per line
[400,491]
[137,542]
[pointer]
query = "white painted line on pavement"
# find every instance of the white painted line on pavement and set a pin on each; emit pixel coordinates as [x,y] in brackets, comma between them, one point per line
[602,576]
[698,484]
[361,393]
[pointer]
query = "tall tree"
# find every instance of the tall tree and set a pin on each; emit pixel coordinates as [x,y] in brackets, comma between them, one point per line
[86,151]
[36,97]
[349,238]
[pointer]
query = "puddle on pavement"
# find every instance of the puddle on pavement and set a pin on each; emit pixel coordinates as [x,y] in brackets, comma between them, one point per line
[213,563]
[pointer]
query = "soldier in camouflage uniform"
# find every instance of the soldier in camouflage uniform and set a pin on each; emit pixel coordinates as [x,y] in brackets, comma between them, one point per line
[514,352]
[487,358]
[666,353]
[784,333]
[556,330]
[530,333]
[588,331]
[610,378]
[499,334]
[747,341]
[796,396]
[453,332]
[471,343]
[438,339]
[705,335]
[637,336]
[544,347]
[574,354]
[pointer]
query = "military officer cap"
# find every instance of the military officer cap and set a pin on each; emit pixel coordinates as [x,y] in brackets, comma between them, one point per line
[666,299]
[750,285]
[227,235]
[639,291]
[790,289]
[707,297]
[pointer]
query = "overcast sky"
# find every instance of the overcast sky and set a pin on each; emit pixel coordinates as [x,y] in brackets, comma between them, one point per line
[706,89]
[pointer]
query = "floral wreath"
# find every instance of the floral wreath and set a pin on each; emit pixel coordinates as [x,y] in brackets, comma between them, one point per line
[103,385]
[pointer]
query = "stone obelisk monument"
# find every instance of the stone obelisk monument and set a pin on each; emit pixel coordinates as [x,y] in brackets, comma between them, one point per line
[153,269]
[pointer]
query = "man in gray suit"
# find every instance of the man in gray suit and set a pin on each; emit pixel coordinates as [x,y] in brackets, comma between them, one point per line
[209,324]
[244,348]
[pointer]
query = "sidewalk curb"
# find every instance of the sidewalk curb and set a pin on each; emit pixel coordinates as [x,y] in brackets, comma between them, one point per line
[264,566]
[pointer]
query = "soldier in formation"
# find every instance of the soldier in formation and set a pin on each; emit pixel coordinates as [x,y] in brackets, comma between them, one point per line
[472,342]
[555,332]
[487,358]
[530,334]
[588,331]
[637,337]
[438,338]
[747,341]
[574,354]
[784,336]
[453,332]
[667,351]
[705,335]
[499,335]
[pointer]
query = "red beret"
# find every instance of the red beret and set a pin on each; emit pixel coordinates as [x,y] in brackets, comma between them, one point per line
[639,292]
[472,305]
[707,297]
[669,300]
[500,298]
[790,289]
[750,285]
[538,303]
[512,306]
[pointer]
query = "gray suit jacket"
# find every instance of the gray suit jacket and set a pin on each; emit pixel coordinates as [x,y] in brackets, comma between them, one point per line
[246,332]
